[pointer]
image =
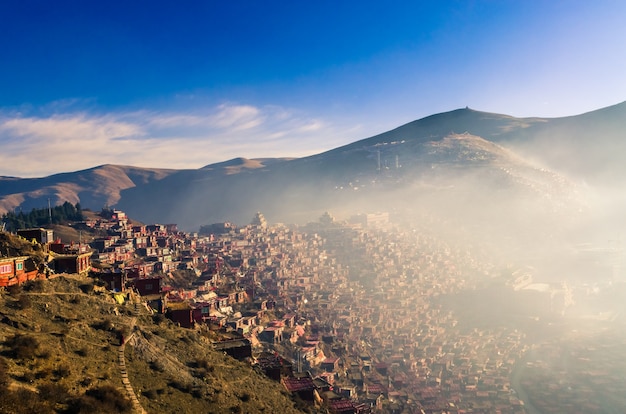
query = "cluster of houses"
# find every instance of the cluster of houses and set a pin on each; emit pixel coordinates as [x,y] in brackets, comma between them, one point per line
[15,270]
[394,340]
[340,313]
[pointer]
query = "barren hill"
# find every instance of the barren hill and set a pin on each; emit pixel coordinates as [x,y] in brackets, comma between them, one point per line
[482,169]
[94,187]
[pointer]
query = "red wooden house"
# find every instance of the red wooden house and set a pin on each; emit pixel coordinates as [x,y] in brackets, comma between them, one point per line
[16,270]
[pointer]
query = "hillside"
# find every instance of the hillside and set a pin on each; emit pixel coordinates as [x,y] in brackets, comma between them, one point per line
[60,353]
[94,187]
[482,169]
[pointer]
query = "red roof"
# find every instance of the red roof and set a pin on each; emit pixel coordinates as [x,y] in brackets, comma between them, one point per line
[293,384]
[341,405]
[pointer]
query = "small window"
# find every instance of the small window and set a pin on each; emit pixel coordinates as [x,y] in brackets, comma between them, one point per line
[19,266]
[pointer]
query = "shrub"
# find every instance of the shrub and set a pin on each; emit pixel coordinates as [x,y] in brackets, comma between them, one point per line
[150,394]
[14,290]
[199,373]
[27,376]
[104,325]
[158,318]
[44,373]
[197,393]
[157,366]
[85,382]
[44,353]
[81,352]
[86,288]
[204,364]
[34,286]
[23,302]
[53,392]
[103,399]
[63,370]
[4,373]
[22,346]
[181,386]
[23,401]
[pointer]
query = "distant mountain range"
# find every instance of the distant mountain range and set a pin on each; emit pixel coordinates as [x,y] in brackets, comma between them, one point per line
[477,167]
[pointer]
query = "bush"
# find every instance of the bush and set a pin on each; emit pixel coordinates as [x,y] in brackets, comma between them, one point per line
[23,401]
[23,302]
[81,352]
[104,325]
[27,376]
[44,354]
[22,346]
[197,393]
[103,399]
[204,364]
[85,382]
[157,366]
[150,394]
[158,318]
[44,373]
[34,286]
[53,392]
[86,288]
[63,370]
[4,373]
[14,290]
[181,386]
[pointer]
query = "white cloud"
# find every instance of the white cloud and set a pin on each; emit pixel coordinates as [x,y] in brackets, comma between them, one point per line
[35,146]
[236,117]
[72,128]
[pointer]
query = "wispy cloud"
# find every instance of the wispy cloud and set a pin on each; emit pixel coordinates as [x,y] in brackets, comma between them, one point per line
[72,128]
[236,118]
[41,145]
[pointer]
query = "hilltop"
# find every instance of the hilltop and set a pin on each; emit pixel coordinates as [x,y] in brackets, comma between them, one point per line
[584,148]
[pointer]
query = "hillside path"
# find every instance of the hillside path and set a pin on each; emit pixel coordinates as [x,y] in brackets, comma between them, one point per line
[125,380]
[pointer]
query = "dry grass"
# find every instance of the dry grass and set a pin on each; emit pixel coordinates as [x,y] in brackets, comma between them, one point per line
[59,350]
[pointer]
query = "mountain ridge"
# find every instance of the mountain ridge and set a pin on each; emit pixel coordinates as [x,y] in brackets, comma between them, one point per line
[389,164]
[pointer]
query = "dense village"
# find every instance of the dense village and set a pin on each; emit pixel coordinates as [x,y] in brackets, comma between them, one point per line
[340,313]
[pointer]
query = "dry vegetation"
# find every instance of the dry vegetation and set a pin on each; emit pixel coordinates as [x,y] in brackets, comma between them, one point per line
[11,245]
[59,345]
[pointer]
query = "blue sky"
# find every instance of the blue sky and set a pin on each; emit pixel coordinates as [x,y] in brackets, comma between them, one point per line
[186,84]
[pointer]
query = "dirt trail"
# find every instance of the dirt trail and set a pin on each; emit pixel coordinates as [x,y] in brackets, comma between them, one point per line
[122,363]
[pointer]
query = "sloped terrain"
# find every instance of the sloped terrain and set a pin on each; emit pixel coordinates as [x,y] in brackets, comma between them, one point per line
[538,162]
[59,352]
[94,187]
